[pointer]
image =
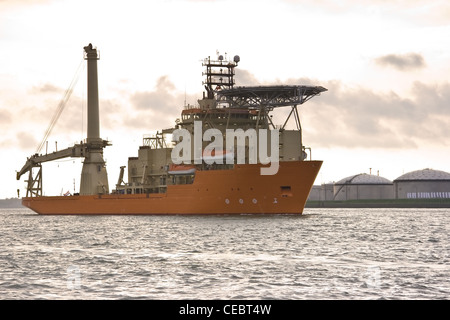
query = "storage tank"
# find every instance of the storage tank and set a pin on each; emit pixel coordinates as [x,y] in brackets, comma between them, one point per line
[363,186]
[423,184]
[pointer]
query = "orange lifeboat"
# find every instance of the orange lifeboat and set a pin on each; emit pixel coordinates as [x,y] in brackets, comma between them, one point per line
[181,169]
[218,156]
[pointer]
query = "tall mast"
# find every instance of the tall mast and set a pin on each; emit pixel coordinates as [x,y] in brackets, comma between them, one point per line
[94,178]
[93,128]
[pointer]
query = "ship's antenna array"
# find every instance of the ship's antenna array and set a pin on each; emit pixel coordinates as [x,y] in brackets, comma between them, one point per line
[61,105]
[219,73]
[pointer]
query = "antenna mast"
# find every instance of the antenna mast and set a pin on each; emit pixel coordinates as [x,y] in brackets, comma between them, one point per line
[219,73]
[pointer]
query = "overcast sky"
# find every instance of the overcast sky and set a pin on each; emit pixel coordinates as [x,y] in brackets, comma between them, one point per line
[386,66]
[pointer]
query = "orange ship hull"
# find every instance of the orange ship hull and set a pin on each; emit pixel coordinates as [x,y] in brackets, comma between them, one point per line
[241,190]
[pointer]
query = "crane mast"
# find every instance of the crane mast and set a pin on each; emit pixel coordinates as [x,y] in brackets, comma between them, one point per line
[94,178]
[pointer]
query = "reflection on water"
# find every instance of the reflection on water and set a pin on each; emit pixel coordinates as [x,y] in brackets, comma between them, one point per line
[324,254]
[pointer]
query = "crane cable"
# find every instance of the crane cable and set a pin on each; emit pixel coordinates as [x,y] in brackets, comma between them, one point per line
[61,105]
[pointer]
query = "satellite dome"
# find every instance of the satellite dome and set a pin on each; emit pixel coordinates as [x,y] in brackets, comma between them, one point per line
[221,57]
[425,174]
[236,59]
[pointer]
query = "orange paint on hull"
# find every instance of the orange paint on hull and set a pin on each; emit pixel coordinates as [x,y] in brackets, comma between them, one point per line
[241,190]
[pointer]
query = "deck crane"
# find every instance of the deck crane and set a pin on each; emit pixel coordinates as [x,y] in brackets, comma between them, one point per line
[94,179]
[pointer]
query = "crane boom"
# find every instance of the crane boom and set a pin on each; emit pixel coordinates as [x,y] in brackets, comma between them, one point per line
[77,151]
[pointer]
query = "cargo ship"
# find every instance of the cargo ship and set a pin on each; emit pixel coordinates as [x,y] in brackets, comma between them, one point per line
[224,155]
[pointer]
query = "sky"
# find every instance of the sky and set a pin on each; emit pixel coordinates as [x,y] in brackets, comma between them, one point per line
[386,65]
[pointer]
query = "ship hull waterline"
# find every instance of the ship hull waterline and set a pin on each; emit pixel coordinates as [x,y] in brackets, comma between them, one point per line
[241,190]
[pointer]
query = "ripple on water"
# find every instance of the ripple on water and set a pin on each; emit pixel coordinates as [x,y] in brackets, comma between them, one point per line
[324,254]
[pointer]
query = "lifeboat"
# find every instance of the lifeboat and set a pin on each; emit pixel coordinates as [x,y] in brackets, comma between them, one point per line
[181,169]
[218,156]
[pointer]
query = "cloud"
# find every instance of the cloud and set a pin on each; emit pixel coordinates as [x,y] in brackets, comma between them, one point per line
[25,140]
[46,88]
[31,110]
[360,117]
[245,78]
[405,62]
[18,3]
[161,98]
[350,117]
[160,107]
[139,111]
[423,12]
[48,98]
[5,117]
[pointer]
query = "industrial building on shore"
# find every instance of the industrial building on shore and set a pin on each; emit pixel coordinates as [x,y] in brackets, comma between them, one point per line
[423,184]
[420,184]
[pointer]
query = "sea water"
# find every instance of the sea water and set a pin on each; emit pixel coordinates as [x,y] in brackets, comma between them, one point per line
[322,254]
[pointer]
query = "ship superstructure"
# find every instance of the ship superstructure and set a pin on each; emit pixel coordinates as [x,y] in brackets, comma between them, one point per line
[220,169]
